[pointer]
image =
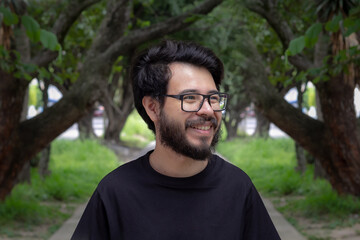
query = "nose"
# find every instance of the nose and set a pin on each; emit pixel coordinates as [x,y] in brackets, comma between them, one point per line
[206,108]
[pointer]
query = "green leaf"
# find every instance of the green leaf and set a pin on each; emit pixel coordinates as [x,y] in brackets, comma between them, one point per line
[351,26]
[142,24]
[334,24]
[32,28]
[29,67]
[296,45]
[43,73]
[57,78]
[9,18]
[312,34]
[48,40]
[301,77]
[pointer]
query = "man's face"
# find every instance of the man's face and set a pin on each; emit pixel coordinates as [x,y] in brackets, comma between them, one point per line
[192,134]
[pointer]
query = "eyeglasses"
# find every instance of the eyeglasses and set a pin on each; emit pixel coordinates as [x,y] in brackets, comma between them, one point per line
[192,102]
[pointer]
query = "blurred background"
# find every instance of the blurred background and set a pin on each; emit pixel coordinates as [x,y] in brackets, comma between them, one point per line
[67,116]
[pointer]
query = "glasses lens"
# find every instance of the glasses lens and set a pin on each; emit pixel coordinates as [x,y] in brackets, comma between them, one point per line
[192,102]
[218,102]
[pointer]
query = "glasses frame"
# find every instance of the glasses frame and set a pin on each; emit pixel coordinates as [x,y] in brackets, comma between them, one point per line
[205,96]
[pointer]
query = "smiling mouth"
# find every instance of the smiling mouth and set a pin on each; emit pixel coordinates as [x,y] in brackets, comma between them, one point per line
[202,123]
[203,128]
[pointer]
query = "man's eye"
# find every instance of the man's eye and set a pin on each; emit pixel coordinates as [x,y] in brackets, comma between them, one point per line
[215,98]
[190,97]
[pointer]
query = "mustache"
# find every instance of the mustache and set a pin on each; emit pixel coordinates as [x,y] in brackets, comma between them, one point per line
[201,120]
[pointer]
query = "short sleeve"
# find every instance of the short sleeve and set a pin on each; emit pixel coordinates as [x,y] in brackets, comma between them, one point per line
[258,222]
[93,224]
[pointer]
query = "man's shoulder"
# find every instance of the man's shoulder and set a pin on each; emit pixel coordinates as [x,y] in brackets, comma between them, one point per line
[231,171]
[124,173]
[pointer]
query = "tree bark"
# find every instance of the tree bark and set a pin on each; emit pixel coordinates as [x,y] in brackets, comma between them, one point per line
[319,171]
[301,159]
[41,161]
[85,126]
[235,106]
[320,53]
[118,113]
[231,125]
[17,145]
[300,153]
[117,122]
[25,173]
[262,125]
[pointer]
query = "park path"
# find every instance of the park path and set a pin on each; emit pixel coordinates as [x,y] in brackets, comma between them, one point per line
[284,228]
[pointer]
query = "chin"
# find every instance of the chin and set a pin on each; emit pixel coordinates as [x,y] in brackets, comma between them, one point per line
[200,142]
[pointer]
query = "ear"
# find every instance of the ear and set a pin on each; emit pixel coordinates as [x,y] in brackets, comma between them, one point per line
[152,107]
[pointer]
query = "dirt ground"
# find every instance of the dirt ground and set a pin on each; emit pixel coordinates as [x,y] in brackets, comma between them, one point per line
[323,228]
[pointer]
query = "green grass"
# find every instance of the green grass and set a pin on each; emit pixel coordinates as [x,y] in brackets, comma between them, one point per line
[261,160]
[135,132]
[271,163]
[76,168]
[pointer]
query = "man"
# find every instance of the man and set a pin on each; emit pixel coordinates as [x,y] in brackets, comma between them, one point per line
[180,190]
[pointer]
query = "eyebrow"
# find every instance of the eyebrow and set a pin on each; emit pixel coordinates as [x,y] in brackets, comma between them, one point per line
[196,91]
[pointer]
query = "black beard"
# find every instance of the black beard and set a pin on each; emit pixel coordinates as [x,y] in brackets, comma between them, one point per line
[173,136]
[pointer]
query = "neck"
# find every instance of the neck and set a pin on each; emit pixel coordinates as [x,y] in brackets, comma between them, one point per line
[169,163]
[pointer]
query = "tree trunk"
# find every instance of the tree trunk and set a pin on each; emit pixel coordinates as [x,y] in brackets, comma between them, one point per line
[301,159]
[85,127]
[300,153]
[42,159]
[321,51]
[262,125]
[233,114]
[43,162]
[319,171]
[231,125]
[117,115]
[25,173]
[12,98]
[116,123]
[343,163]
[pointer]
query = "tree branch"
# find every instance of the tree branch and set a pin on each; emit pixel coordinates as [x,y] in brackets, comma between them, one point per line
[267,9]
[299,126]
[61,27]
[69,15]
[136,37]
[113,26]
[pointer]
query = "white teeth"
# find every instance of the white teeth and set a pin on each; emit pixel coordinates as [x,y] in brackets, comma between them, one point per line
[204,128]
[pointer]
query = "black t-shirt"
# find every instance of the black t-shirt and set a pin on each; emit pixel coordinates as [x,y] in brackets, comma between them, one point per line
[134,202]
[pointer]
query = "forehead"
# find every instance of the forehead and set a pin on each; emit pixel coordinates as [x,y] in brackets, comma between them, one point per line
[188,77]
